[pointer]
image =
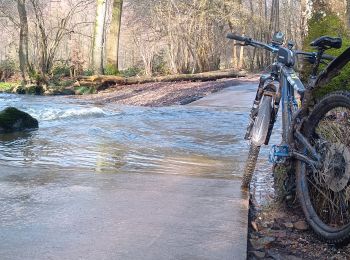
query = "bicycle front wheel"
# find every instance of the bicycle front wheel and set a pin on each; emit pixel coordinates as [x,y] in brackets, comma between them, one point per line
[259,134]
[325,194]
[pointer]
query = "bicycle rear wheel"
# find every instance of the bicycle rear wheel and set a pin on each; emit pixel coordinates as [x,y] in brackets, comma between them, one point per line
[325,194]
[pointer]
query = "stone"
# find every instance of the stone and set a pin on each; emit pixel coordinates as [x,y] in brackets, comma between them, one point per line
[261,243]
[281,256]
[14,120]
[30,89]
[279,234]
[289,225]
[264,225]
[76,84]
[301,225]
[255,226]
[258,254]
[19,90]
[276,226]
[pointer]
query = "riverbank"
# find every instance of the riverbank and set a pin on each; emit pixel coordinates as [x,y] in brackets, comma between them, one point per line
[83,85]
[162,93]
[280,231]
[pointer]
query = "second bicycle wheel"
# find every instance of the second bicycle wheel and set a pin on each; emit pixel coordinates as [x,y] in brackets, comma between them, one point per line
[324,194]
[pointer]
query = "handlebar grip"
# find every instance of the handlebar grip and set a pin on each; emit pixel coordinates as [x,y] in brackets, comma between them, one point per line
[233,36]
[328,57]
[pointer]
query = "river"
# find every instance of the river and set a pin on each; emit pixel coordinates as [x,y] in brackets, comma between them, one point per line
[79,148]
[117,139]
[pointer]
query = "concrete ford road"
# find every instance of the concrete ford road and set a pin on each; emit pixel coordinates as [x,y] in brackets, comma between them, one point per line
[123,217]
[176,205]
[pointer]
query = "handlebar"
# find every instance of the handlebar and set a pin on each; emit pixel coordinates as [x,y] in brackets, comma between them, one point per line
[328,57]
[274,48]
[236,37]
[313,55]
[251,42]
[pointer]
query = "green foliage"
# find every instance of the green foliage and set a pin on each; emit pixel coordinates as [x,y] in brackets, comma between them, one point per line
[160,66]
[330,25]
[7,86]
[84,90]
[7,69]
[33,89]
[36,76]
[130,72]
[8,64]
[66,83]
[61,70]
[111,70]
[59,82]
[341,82]
[88,72]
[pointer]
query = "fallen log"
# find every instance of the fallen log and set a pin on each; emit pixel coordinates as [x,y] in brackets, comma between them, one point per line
[205,76]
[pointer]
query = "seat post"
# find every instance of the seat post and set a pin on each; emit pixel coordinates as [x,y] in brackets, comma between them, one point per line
[320,52]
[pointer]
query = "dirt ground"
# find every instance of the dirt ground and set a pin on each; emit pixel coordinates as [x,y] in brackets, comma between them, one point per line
[278,231]
[162,93]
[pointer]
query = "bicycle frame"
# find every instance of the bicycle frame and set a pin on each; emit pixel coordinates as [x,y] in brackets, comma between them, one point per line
[277,84]
[282,84]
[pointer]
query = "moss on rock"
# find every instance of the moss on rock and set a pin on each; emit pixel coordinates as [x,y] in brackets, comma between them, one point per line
[13,120]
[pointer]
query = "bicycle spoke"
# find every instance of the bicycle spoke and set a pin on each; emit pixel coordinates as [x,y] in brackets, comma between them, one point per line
[328,192]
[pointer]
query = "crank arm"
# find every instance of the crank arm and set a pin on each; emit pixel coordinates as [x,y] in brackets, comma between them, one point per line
[301,138]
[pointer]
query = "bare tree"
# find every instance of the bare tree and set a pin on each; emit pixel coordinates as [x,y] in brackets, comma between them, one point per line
[50,39]
[99,37]
[23,40]
[114,34]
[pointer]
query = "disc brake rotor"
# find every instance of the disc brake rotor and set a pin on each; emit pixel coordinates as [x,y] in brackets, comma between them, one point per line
[336,171]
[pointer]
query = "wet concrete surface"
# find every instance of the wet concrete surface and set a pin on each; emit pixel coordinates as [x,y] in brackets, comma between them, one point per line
[238,97]
[63,214]
[129,216]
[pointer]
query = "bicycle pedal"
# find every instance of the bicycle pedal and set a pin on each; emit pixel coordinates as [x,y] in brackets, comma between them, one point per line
[279,154]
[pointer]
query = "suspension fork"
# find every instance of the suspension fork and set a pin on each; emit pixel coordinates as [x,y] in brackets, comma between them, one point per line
[274,113]
[265,79]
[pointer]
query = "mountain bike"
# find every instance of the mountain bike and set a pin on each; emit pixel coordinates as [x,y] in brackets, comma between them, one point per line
[315,134]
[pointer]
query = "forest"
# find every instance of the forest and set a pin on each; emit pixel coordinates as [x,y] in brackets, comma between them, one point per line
[44,41]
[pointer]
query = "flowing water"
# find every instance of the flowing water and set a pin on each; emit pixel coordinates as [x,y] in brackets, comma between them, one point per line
[118,182]
[75,136]
[118,139]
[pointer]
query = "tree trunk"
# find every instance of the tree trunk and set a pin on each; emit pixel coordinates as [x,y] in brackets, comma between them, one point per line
[303,20]
[23,40]
[348,13]
[206,76]
[114,34]
[99,37]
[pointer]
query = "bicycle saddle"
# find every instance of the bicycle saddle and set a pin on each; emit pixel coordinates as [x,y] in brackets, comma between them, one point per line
[326,42]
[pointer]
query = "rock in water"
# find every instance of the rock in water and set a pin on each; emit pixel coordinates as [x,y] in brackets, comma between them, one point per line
[14,120]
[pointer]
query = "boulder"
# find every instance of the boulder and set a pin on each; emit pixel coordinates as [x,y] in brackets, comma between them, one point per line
[301,225]
[14,120]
